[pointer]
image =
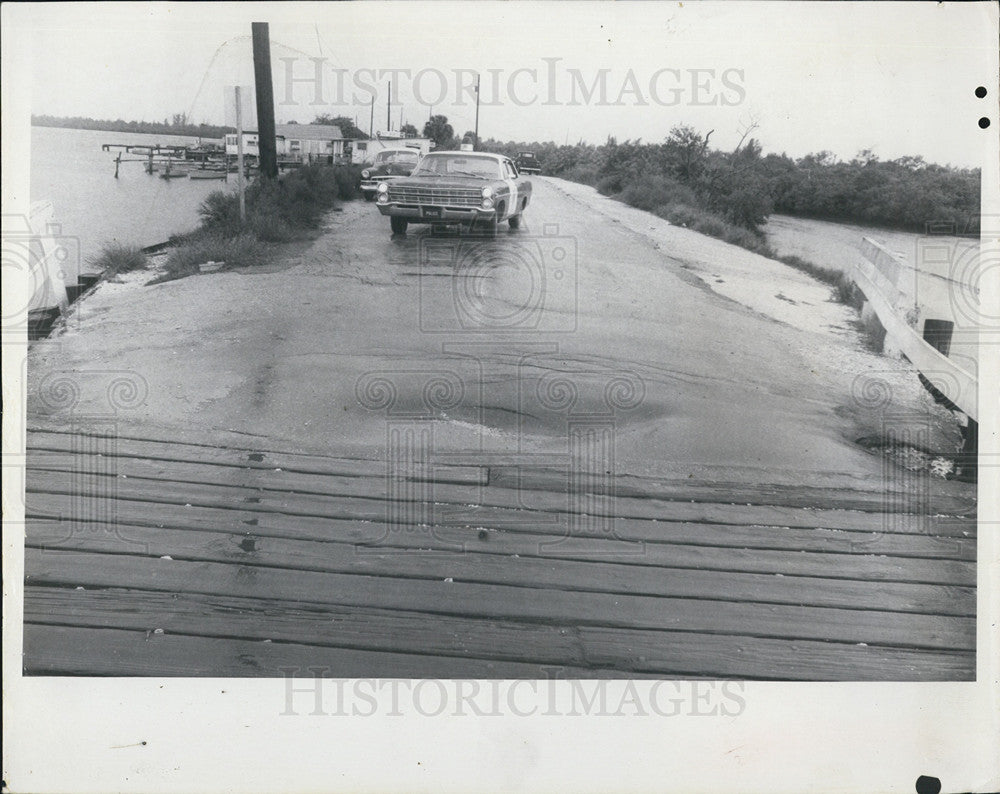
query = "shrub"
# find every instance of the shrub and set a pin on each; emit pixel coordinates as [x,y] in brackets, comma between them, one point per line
[609,185]
[584,174]
[119,258]
[348,179]
[650,192]
[241,251]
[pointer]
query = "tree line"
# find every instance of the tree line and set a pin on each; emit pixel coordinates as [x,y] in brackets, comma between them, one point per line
[744,186]
[178,125]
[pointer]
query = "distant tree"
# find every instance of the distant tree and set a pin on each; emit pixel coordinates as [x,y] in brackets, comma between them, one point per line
[440,131]
[408,131]
[293,121]
[180,120]
[685,152]
[347,127]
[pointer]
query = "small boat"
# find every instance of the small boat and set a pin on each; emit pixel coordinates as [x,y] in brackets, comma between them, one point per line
[171,173]
[207,174]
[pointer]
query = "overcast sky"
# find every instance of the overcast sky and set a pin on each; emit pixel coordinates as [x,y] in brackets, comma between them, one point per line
[898,78]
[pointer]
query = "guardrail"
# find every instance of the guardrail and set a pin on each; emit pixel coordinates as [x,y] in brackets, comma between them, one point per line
[877,276]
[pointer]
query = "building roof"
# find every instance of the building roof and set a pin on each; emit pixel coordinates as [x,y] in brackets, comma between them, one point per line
[310,132]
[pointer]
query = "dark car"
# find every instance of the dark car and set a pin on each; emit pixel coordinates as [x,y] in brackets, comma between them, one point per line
[527,163]
[387,164]
[465,188]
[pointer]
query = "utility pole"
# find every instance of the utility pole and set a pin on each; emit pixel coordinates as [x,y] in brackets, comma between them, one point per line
[388,110]
[371,120]
[239,155]
[267,142]
[475,143]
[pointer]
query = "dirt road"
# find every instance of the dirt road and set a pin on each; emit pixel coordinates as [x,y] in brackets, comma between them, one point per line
[703,359]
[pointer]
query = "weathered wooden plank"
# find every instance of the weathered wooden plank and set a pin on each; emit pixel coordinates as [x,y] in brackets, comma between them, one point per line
[663,653]
[69,650]
[471,504]
[500,601]
[935,500]
[507,472]
[715,580]
[46,449]
[552,533]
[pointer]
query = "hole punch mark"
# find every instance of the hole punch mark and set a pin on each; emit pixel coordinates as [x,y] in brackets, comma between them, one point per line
[928,785]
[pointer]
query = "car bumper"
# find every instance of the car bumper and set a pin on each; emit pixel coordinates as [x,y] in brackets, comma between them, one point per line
[435,214]
[371,185]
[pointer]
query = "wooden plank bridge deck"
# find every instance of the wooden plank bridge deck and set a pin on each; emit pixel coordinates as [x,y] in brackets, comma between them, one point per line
[166,558]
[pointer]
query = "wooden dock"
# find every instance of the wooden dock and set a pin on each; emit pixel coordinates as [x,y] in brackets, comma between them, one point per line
[155,557]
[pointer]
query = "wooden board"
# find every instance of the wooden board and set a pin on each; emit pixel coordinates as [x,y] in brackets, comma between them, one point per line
[623,541]
[248,559]
[490,563]
[68,568]
[660,653]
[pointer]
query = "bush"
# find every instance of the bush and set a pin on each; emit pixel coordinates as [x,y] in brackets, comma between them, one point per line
[609,185]
[649,192]
[119,258]
[241,251]
[277,209]
[348,179]
[705,222]
[584,174]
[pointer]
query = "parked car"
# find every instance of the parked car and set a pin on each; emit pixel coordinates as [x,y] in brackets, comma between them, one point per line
[387,164]
[527,163]
[466,188]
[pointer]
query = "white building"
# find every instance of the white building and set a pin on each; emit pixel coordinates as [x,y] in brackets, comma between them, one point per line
[309,142]
[301,142]
[250,144]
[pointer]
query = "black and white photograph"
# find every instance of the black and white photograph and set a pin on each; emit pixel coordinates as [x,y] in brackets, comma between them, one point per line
[376,369]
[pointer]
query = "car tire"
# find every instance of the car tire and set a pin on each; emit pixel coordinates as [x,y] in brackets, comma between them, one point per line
[369,196]
[514,221]
[398,225]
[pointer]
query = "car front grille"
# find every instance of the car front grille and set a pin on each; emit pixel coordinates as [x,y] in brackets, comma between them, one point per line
[442,197]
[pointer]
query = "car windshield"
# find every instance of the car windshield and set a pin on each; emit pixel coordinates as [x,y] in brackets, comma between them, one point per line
[459,164]
[384,158]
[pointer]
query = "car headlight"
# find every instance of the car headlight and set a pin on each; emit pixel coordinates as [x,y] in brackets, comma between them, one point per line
[365,174]
[382,198]
[382,188]
[487,192]
[487,204]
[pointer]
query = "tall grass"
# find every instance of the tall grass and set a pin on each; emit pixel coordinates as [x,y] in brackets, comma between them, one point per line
[118,258]
[277,211]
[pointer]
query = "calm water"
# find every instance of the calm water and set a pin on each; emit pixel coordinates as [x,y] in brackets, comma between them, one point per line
[69,169]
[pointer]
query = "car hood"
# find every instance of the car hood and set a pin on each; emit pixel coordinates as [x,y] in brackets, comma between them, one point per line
[446,182]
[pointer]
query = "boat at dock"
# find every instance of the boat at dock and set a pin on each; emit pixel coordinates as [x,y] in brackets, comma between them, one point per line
[206,173]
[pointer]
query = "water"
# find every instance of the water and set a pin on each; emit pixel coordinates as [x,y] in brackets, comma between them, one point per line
[69,169]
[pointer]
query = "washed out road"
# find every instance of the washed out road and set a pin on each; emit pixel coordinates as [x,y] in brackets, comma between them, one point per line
[709,364]
[693,409]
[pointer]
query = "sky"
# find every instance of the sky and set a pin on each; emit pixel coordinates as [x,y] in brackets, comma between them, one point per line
[896,78]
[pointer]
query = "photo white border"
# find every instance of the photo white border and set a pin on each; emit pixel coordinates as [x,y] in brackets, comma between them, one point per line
[178,735]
